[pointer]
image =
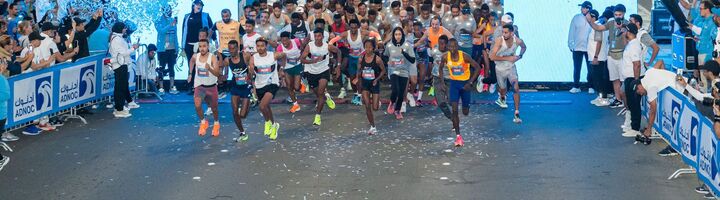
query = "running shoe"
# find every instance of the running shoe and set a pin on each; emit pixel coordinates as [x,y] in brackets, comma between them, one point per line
[295,107]
[288,100]
[243,137]
[431,91]
[303,88]
[501,102]
[479,85]
[329,101]
[342,94]
[434,102]
[274,132]
[317,121]
[575,90]
[709,196]
[398,115]
[403,107]
[668,151]
[702,189]
[133,105]
[173,90]
[216,129]
[203,127]
[602,103]
[208,112]
[516,118]
[643,139]
[32,130]
[4,161]
[390,108]
[411,100]
[492,88]
[591,91]
[372,130]
[9,137]
[222,95]
[617,104]
[46,127]
[355,100]
[631,133]
[459,141]
[268,127]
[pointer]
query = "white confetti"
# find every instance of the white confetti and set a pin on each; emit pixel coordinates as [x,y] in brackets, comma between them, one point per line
[211,164]
[446,164]
[443,178]
[196,178]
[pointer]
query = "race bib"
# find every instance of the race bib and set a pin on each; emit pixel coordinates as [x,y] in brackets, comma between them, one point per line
[267,69]
[396,61]
[202,72]
[465,36]
[241,79]
[368,73]
[356,52]
[457,70]
[293,61]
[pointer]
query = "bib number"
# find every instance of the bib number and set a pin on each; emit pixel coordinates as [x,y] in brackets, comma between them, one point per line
[355,52]
[396,61]
[457,70]
[203,72]
[292,61]
[241,79]
[368,74]
[264,69]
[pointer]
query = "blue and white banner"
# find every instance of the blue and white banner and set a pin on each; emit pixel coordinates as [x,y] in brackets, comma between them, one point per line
[670,105]
[44,92]
[687,130]
[707,158]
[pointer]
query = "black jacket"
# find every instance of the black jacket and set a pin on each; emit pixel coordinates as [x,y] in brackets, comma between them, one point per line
[81,38]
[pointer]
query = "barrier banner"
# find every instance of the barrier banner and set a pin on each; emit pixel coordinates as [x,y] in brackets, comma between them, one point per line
[60,87]
[708,157]
[687,132]
[670,105]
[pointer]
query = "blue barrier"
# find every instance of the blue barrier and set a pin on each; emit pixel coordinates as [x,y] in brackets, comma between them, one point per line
[690,133]
[60,87]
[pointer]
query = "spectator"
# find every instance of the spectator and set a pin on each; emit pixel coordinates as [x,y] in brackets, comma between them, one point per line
[631,70]
[24,30]
[4,97]
[83,32]
[31,52]
[3,7]
[15,65]
[120,59]
[597,47]
[146,65]
[192,23]
[578,44]
[14,17]
[167,42]
[705,30]
[48,47]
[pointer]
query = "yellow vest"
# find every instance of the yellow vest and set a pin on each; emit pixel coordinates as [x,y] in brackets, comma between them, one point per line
[459,70]
[227,32]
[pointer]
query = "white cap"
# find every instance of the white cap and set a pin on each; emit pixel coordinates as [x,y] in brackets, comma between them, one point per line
[507,19]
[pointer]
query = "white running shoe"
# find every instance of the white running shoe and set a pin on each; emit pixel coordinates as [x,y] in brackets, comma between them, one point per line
[591,91]
[209,111]
[133,105]
[631,133]
[492,88]
[122,114]
[5,160]
[411,99]
[575,90]
[500,102]
[403,107]
[173,90]
[161,91]
[342,93]
[109,106]
[372,130]
[603,103]
[596,100]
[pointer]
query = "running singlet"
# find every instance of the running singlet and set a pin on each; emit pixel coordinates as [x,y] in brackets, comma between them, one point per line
[239,71]
[506,51]
[202,73]
[318,52]
[292,53]
[338,30]
[356,46]
[249,42]
[459,70]
[299,32]
[266,70]
[370,71]
[277,22]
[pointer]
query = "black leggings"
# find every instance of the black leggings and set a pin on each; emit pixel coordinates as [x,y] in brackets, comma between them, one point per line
[121,94]
[398,85]
[601,78]
[633,104]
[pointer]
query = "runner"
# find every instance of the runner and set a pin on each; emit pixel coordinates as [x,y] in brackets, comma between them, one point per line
[355,50]
[317,71]
[417,76]
[461,82]
[239,87]
[337,28]
[250,38]
[441,93]
[206,72]
[369,71]
[401,57]
[293,67]
[504,56]
[264,67]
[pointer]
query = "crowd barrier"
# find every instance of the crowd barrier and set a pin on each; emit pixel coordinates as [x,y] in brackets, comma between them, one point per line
[680,123]
[60,88]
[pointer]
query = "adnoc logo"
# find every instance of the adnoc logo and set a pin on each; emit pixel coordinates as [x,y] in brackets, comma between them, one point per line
[87,80]
[43,95]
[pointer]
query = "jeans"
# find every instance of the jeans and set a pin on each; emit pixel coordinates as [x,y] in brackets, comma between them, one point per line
[398,85]
[601,77]
[577,63]
[122,90]
[633,103]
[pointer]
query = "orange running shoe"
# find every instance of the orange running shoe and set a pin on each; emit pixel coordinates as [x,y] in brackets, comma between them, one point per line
[203,127]
[295,107]
[303,89]
[216,129]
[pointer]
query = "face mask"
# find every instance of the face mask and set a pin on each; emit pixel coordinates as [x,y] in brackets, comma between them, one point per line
[619,20]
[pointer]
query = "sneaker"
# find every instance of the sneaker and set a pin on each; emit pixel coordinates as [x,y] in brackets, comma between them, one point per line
[355,100]
[222,95]
[46,127]
[216,129]
[410,99]
[303,88]
[372,130]
[208,112]
[591,91]
[575,90]
[122,114]
[492,88]
[431,91]
[596,100]
[243,137]
[390,108]
[479,85]
[161,91]
[702,189]
[329,101]
[603,102]
[133,105]
[203,127]
[57,122]
[516,118]
[274,132]
[32,130]
[617,104]
[268,126]
[501,102]
[403,107]
[173,90]
[630,133]
[9,137]
[669,151]
[643,139]
[109,106]
[289,100]
[709,196]
[295,107]
[317,120]
[459,141]
[342,93]
[398,115]
[4,161]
